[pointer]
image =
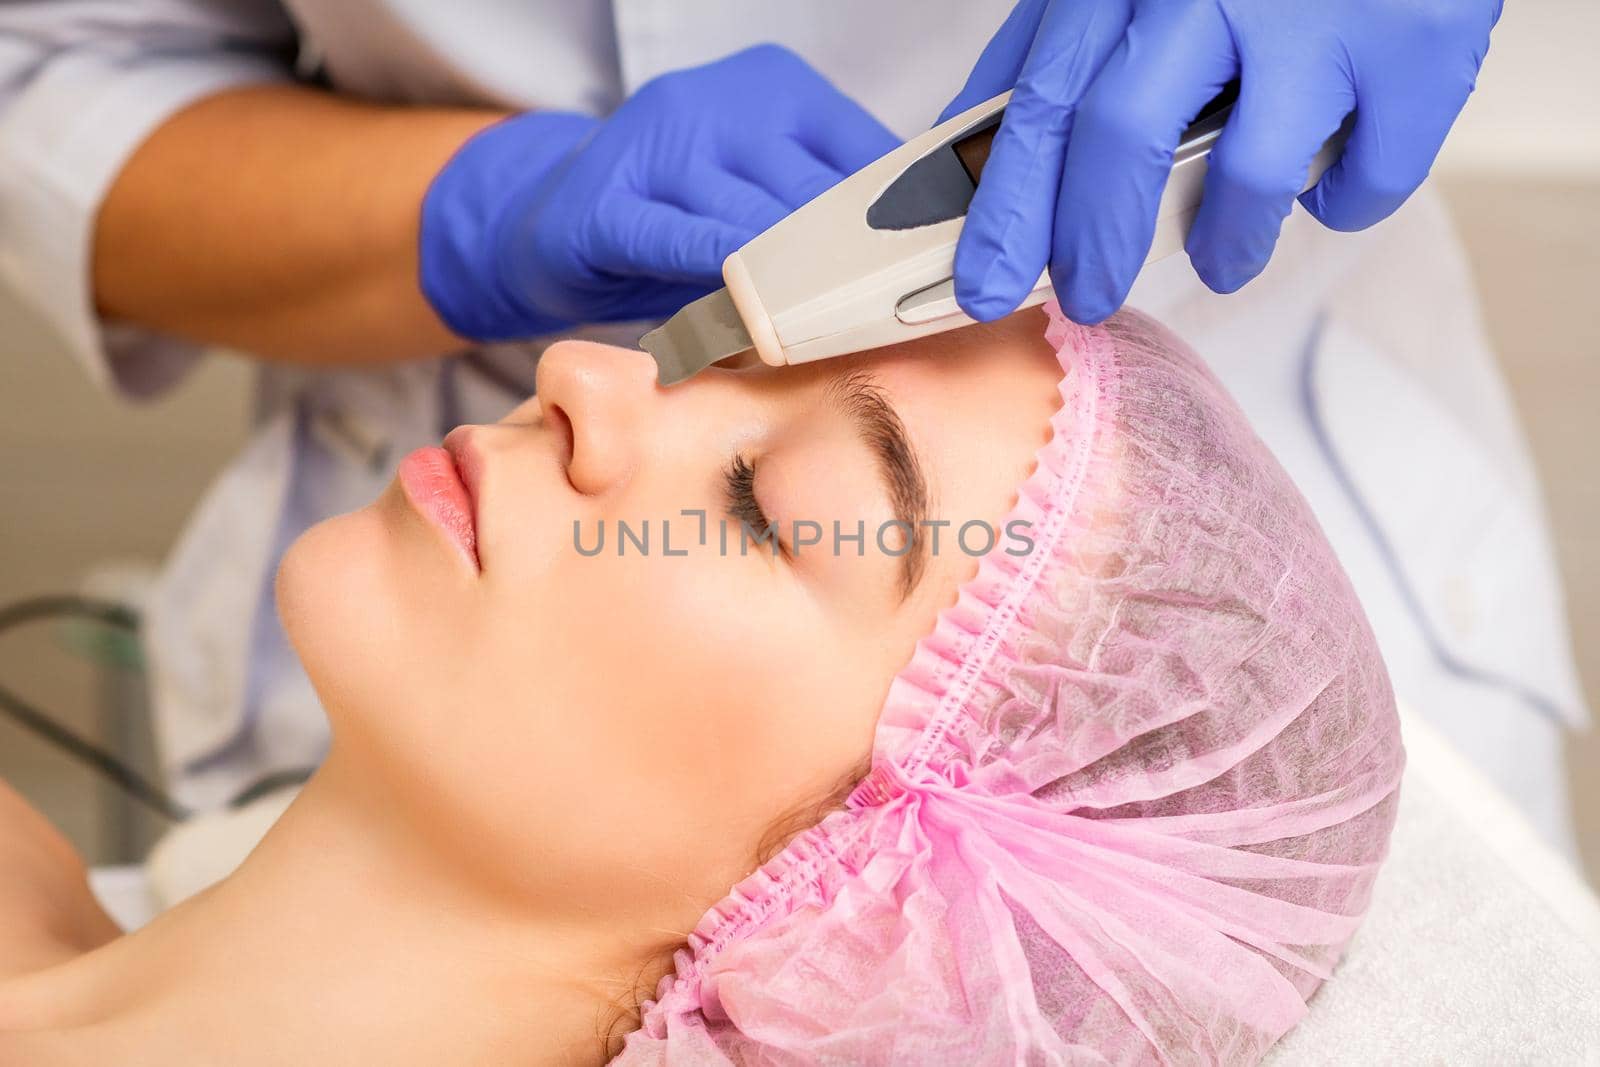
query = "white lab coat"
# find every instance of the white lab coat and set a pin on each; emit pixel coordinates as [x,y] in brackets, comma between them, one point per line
[1359,358]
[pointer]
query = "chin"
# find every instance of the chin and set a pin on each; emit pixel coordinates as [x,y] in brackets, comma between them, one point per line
[373,605]
[335,593]
[325,589]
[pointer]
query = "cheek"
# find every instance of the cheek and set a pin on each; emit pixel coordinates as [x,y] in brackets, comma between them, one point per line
[748,693]
[687,698]
[650,649]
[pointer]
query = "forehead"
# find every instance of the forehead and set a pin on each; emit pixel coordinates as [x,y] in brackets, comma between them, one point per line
[971,399]
[983,374]
[976,404]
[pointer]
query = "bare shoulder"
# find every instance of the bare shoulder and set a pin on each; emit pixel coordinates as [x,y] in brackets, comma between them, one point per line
[47,913]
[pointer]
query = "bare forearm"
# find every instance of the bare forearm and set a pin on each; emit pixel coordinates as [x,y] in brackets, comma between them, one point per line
[282,221]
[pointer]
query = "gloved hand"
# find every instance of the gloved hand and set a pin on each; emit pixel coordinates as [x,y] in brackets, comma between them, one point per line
[549,219]
[1105,88]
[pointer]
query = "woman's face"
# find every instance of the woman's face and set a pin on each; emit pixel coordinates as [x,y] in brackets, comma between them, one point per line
[619,728]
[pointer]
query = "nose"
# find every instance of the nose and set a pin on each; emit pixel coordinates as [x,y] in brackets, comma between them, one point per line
[605,395]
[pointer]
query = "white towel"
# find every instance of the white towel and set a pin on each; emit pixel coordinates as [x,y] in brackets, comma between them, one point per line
[1482,945]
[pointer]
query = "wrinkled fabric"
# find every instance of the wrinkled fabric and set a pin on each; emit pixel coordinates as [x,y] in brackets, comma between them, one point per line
[1128,798]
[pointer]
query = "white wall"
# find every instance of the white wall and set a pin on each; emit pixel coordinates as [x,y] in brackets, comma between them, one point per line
[1536,110]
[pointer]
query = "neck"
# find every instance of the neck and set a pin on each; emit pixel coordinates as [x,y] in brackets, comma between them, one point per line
[337,928]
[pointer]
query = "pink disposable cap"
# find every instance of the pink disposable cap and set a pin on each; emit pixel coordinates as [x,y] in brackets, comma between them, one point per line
[1128,797]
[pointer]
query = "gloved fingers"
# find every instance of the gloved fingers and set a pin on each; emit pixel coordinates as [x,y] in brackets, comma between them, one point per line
[1400,125]
[634,237]
[1001,61]
[717,194]
[645,300]
[843,134]
[1005,242]
[1284,114]
[805,105]
[1174,57]
[788,171]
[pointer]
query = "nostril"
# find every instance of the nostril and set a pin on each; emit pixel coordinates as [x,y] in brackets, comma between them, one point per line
[563,427]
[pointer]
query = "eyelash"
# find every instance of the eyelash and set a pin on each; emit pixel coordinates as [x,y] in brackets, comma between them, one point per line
[739,482]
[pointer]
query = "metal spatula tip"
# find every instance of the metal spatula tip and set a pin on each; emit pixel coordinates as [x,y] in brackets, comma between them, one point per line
[703,333]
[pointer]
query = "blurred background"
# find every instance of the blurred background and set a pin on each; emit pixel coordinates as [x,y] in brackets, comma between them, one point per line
[93,491]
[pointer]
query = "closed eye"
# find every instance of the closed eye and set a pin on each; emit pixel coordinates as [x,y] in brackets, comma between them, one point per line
[739,485]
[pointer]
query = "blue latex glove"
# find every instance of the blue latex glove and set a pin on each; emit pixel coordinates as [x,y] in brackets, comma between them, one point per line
[1105,88]
[549,219]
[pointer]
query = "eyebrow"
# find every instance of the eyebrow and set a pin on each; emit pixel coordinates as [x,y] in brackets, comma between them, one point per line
[860,398]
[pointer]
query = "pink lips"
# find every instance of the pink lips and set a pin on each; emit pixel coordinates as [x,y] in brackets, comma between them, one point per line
[436,489]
